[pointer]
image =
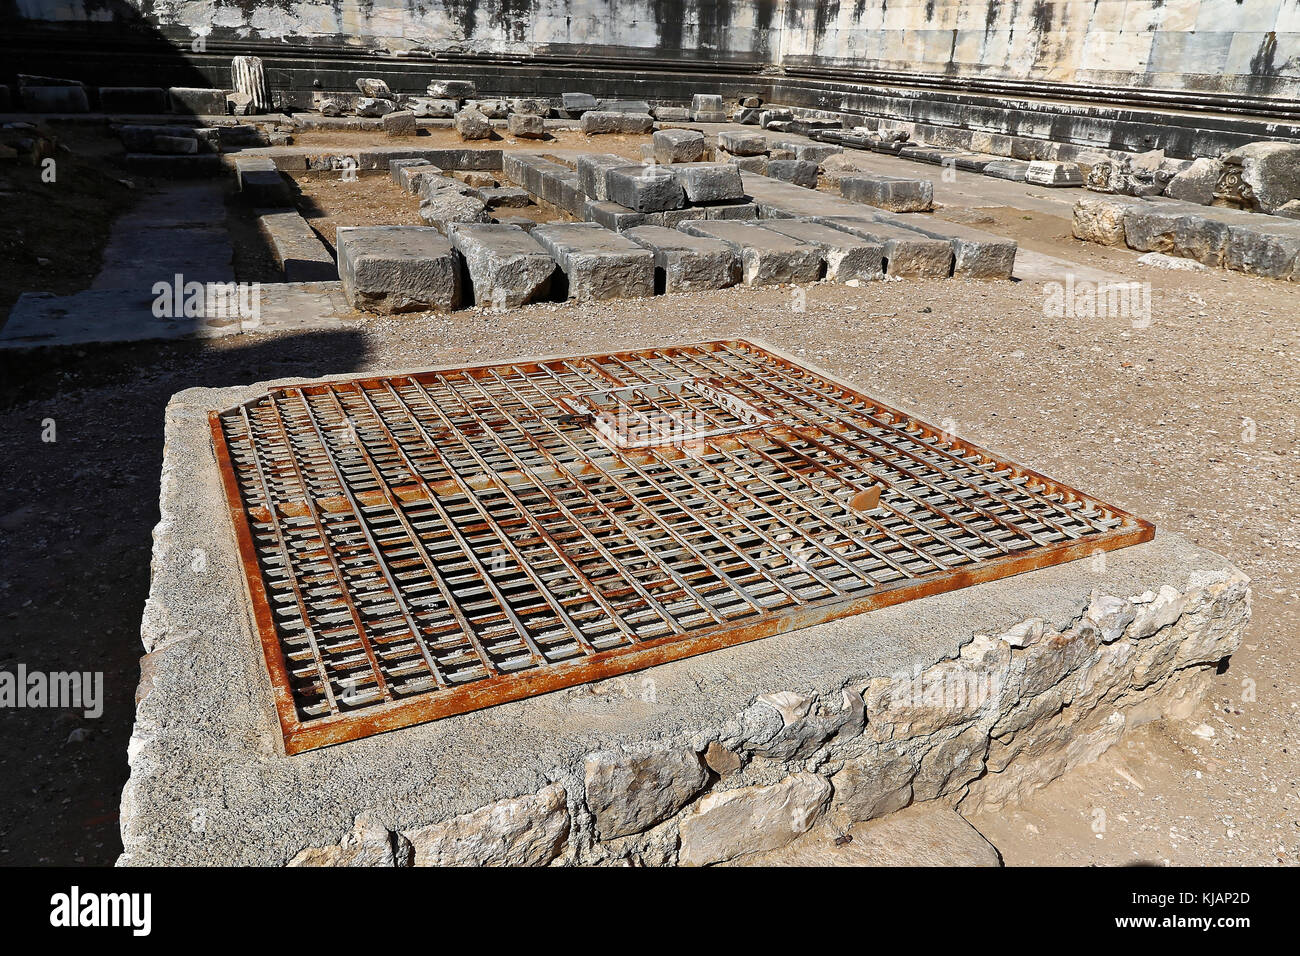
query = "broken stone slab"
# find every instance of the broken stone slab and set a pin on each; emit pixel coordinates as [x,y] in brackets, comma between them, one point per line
[573,105]
[531,105]
[644,188]
[612,216]
[197,101]
[816,152]
[750,164]
[737,211]
[506,266]
[428,181]
[774,115]
[132,99]
[298,252]
[495,197]
[741,143]
[452,206]
[732,823]
[526,126]
[797,171]
[1009,169]
[678,145]
[369,844]
[593,168]
[598,122]
[427,107]
[709,182]
[597,263]
[522,831]
[492,109]
[746,116]
[374,89]
[976,254]
[847,256]
[397,166]
[1042,173]
[630,793]
[671,114]
[1271,170]
[239,103]
[374,107]
[1196,183]
[672,218]
[401,123]
[259,182]
[451,89]
[889,192]
[685,262]
[907,253]
[392,269]
[623,106]
[766,257]
[471,124]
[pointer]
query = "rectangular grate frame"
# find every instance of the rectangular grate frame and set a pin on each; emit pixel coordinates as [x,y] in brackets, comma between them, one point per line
[417,546]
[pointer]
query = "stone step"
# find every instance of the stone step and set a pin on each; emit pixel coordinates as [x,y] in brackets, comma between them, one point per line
[766,257]
[644,188]
[260,183]
[684,262]
[297,250]
[976,254]
[505,266]
[907,253]
[388,269]
[596,262]
[847,256]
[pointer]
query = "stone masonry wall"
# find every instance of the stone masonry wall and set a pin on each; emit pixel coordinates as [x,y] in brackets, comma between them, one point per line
[1004,716]
[1233,46]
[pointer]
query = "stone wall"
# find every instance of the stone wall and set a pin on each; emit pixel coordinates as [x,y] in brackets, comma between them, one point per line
[1006,715]
[1243,47]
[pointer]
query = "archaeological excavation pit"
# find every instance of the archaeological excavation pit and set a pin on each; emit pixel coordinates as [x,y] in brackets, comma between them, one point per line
[417,546]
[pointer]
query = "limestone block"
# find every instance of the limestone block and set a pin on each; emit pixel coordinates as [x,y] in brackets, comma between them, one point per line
[506,266]
[387,269]
[595,122]
[629,793]
[730,823]
[524,831]
[678,146]
[471,124]
[709,182]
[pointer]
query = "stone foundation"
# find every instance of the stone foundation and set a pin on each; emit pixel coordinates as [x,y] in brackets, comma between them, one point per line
[972,698]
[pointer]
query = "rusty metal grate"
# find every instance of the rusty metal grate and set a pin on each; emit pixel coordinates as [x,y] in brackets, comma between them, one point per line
[424,545]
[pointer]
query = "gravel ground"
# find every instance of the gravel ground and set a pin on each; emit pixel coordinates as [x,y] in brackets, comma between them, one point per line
[1189,421]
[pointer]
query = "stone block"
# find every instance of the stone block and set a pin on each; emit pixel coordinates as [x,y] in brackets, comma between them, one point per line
[612,216]
[738,211]
[260,183]
[390,269]
[197,101]
[1196,183]
[375,89]
[1261,251]
[374,107]
[574,105]
[976,254]
[531,105]
[60,99]
[684,262]
[506,266]
[427,107]
[630,793]
[495,197]
[451,89]
[295,247]
[597,263]
[732,823]
[522,831]
[492,109]
[1010,169]
[597,122]
[132,99]
[395,167]
[671,114]
[741,143]
[766,257]
[769,116]
[1177,230]
[449,206]
[847,256]
[678,146]
[526,126]
[797,171]
[907,253]
[401,123]
[623,106]
[1271,169]
[1043,173]
[709,182]
[750,164]
[1100,220]
[644,188]
[889,192]
[471,124]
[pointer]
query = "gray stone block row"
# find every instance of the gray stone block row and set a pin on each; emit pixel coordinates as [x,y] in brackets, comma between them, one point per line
[766,257]
[907,253]
[393,269]
[597,263]
[260,183]
[596,122]
[685,262]
[889,192]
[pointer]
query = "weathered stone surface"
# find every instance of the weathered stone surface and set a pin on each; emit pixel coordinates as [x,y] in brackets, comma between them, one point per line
[737,210]
[450,205]
[678,145]
[598,263]
[507,267]
[889,192]
[847,256]
[1258,250]
[574,105]
[684,262]
[375,89]
[976,254]
[871,786]
[731,823]
[722,760]
[451,89]
[816,152]
[374,106]
[369,844]
[644,188]
[1272,170]
[907,252]
[611,215]
[797,171]
[132,99]
[1010,169]
[922,835]
[296,249]
[592,169]
[629,793]
[766,257]
[671,114]
[248,78]
[492,109]
[428,181]
[525,831]
[495,197]
[1177,230]
[471,124]
[388,269]
[1291,210]
[767,117]
[197,101]
[709,182]
[395,167]
[427,107]
[530,105]
[1196,183]
[746,116]
[401,123]
[706,103]
[596,122]
[261,183]
[526,126]
[1042,173]
[741,143]
[1099,220]
[623,106]
[750,164]
[806,727]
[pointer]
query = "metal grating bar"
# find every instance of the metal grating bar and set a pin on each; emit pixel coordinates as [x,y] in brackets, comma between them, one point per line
[424,545]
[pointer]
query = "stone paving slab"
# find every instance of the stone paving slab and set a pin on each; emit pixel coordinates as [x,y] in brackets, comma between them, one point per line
[684,261]
[847,256]
[598,263]
[297,250]
[766,257]
[907,253]
[506,266]
[388,269]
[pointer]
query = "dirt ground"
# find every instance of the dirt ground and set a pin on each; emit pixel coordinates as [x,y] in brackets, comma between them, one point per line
[1190,421]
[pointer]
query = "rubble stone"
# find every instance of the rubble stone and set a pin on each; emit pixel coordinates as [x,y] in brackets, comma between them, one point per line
[372,106]
[471,124]
[525,831]
[526,126]
[730,823]
[629,793]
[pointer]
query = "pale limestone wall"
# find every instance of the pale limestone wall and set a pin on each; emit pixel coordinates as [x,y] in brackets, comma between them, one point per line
[1241,46]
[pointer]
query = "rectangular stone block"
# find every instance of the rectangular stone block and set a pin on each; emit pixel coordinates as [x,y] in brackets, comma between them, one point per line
[644,188]
[57,99]
[451,89]
[297,250]
[1009,169]
[1261,251]
[597,263]
[495,197]
[261,183]
[596,122]
[907,253]
[750,164]
[1054,174]
[396,166]
[847,256]
[612,216]
[976,254]
[1172,229]
[671,114]
[889,192]
[742,143]
[390,269]
[735,211]
[678,146]
[797,171]
[623,106]
[672,218]
[197,101]
[506,266]
[592,171]
[709,182]
[132,99]
[574,105]
[684,262]
[766,257]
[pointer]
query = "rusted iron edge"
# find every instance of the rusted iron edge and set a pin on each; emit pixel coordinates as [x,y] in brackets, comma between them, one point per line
[298,737]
